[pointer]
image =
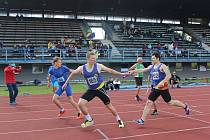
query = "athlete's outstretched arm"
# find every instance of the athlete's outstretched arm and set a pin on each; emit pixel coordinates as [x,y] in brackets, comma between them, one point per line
[142,70]
[112,71]
[74,72]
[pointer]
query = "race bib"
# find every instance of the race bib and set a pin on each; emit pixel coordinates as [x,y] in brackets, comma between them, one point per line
[155,76]
[92,80]
[61,79]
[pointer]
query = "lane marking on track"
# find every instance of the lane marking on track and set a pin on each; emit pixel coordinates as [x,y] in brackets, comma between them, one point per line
[102,124]
[158,133]
[102,133]
[187,116]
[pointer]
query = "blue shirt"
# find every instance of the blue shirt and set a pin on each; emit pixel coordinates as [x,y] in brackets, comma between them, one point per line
[93,78]
[60,74]
[156,75]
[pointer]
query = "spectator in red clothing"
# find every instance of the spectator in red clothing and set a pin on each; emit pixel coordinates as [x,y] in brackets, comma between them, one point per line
[9,76]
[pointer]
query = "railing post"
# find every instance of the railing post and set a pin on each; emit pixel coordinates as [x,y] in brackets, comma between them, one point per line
[76,54]
[24,53]
[123,55]
[42,53]
[6,55]
[137,54]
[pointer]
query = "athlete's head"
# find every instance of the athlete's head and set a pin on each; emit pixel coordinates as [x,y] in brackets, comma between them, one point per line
[139,60]
[91,56]
[57,62]
[155,58]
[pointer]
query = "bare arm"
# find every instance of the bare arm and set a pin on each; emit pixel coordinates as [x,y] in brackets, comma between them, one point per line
[48,80]
[164,69]
[142,70]
[109,70]
[132,67]
[74,72]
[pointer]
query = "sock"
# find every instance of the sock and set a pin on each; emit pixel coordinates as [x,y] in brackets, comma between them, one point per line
[78,114]
[88,117]
[118,118]
[185,106]
[62,109]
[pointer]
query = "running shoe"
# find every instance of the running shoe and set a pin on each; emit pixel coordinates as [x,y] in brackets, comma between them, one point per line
[87,123]
[138,98]
[140,122]
[61,113]
[121,124]
[187,109]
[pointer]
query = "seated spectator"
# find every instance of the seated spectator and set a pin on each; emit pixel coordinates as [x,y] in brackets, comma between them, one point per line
[174,81]
[109,84]
[17,18]
[117,83]
[21,17]
[36,82]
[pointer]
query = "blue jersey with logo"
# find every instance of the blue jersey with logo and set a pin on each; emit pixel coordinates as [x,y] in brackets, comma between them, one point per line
[93,78]
[60,74]
[156,75]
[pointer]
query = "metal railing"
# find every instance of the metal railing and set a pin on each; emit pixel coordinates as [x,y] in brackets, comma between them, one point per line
[43,55]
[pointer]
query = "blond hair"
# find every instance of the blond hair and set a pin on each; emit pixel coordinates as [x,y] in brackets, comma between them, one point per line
[92,52]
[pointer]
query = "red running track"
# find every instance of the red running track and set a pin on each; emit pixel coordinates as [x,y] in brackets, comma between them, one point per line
[34,118]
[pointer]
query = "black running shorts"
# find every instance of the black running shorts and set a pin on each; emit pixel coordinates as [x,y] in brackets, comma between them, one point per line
[100,93]
[155,93]
[138,81]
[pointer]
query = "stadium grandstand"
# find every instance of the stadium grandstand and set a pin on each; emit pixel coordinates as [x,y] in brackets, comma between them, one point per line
[123,32]
[32,33]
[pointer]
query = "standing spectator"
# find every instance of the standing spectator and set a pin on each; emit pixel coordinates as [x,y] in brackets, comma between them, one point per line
[9,77]
[124,26]
[109,84]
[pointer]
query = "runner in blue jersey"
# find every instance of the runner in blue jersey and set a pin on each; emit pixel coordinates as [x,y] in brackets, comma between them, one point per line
[59,73]
[54,83]
[160,76]
[92,74]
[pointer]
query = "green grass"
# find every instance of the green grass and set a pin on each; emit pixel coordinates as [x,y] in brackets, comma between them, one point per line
[42,89]
[76,88]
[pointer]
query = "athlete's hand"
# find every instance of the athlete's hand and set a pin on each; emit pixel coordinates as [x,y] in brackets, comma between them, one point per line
[162,85]
[132,72]
[126,74]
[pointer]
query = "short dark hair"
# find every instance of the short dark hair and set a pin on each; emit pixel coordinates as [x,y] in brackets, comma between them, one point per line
[55,59]
[157,55]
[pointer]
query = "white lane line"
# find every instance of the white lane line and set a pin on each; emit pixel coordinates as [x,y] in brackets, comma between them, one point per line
[96,114]
[197,111]
[102,124]
[102,133]
[158,133]
[187,116]
[37,99]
